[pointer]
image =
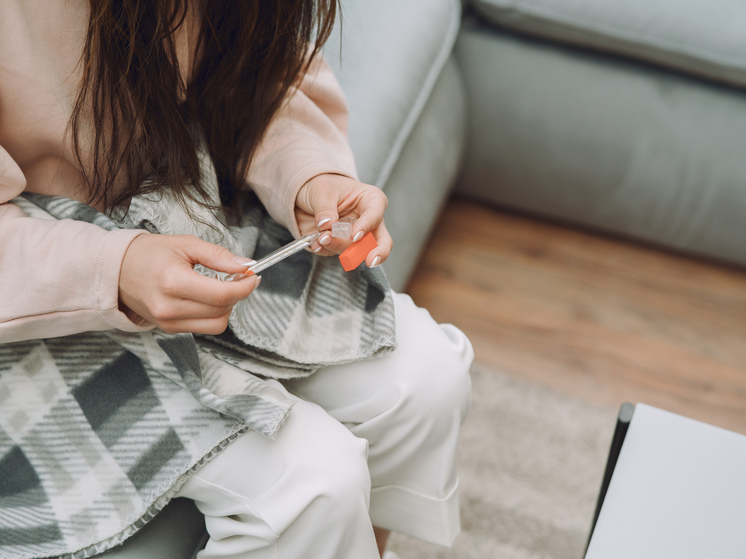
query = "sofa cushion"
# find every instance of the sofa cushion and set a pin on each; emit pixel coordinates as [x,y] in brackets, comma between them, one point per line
[701,37]
[605,143]
[392,55]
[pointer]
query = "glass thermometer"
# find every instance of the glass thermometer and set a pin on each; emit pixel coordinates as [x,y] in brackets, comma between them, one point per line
[276,256]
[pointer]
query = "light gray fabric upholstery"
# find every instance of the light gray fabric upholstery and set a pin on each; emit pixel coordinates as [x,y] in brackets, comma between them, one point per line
[703,37]
[604,142]
[406,113]
[391,56]
[424,173]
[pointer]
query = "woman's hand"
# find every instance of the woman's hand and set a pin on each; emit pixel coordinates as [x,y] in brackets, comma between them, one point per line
[328,198]
[158,283]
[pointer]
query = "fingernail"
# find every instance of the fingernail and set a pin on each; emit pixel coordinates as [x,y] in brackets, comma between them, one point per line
[325,239]
[236,277]
[258,281]
[323,221]
[244,261]
[318,249]
[358,236]
[376,262]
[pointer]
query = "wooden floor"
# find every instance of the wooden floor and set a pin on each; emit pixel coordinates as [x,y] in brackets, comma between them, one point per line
[601,319]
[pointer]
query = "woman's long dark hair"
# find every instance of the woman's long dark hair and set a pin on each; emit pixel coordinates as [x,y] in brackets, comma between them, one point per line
[146,118]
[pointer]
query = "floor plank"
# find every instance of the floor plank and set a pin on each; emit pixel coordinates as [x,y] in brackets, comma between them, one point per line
[606,320]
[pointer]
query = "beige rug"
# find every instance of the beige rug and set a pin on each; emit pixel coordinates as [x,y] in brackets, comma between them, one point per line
[530,466]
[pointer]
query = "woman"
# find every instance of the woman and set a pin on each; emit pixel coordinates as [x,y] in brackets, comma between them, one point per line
[146,150]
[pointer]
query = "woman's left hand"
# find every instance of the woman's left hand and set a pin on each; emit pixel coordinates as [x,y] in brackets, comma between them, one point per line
[328,198]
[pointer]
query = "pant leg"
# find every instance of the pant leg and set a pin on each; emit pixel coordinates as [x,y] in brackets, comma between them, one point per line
[409,405]
[304,494]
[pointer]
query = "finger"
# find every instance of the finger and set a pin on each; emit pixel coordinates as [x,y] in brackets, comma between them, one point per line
[323,251]
[183,309]
[320,197]
[385,243]
[212,326]
[371,211]
[325,244]
[325,209]
[213,256]
[212,291]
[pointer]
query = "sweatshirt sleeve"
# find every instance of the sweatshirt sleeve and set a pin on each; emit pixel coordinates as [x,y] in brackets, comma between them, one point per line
[56,277]
[306,138]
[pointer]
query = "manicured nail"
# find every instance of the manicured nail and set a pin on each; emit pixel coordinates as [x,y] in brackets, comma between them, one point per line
[359,235]
[236,277]
[323,221]
[244,261]
[376,262]
[318,249]
[258,281]
[325,239]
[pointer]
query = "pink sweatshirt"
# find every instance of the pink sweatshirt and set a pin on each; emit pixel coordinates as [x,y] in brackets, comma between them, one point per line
[62,277]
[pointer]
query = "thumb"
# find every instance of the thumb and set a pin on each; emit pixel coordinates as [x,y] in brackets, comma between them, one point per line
[213,256]
[320,198]
[325,211]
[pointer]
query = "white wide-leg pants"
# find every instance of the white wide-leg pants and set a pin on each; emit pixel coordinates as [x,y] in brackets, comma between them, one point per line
[368,443]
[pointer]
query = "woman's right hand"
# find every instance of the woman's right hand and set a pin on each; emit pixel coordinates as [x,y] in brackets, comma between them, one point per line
[158,283]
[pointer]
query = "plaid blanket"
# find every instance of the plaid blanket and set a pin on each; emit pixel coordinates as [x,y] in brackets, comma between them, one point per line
[99,430]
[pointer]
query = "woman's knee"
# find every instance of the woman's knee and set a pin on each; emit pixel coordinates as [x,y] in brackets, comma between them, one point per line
[311,484]
[419,332]
[436,391]
[336,473]
[329,464]
[434,364]
[314,466]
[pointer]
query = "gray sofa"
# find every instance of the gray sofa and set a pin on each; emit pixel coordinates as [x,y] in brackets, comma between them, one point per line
[628,117]
[394,60]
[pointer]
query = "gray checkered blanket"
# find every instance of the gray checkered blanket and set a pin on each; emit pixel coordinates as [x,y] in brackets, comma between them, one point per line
[98,430]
